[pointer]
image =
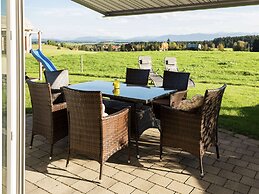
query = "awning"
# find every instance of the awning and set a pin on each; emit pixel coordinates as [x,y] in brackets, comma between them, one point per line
[134,7]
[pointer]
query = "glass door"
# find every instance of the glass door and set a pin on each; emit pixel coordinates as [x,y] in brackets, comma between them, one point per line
[12,98]
[3,100]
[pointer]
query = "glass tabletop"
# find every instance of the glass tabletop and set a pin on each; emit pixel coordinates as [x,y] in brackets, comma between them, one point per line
[128,92]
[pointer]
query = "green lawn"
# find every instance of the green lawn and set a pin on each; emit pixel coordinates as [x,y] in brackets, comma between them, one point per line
[209,69]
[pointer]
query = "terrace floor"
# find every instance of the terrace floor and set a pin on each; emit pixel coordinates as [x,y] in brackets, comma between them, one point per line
[237,170]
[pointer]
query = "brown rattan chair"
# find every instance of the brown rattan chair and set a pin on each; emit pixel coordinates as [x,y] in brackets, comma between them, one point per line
[193,132]
[137,76]
[49,120]
[172,80]
[90,133]
[57,80]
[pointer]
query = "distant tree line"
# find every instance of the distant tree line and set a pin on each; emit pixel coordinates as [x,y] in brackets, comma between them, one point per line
[240,43]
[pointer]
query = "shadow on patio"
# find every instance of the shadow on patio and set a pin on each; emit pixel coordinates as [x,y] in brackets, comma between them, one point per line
[178,172]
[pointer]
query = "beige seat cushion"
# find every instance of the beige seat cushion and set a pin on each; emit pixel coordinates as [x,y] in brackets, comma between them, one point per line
[191,105]
[104,114]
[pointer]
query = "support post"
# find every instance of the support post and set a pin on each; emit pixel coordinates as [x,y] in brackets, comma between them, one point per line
[39,47]
[82,63]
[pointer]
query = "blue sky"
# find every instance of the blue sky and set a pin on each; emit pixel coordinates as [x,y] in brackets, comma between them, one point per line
[64,19]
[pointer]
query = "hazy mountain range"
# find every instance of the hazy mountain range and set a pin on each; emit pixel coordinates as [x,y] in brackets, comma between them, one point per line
[185,37]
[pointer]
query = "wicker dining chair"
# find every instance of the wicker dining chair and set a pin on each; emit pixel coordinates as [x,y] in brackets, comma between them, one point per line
[49,120]
[92,134]
[193,132]
[57,80]
[172,80]
[137,76]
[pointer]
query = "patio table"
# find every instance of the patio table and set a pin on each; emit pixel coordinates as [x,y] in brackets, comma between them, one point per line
[127,92]
[136,95]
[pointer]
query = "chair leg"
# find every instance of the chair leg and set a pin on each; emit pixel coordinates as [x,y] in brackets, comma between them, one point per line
[217,150]
[101,171]
[201,167]
[32,136]
[161,146]
[68,156]
[51,151]
[137,148]
[129,152]
[161,151]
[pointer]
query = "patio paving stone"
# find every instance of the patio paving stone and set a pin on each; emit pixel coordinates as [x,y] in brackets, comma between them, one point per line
[178,176]
[237,170]
[83,186]
[239,187]
[215,179]
[197,183]
[254,191]
[141,184]
[100,190]
[124,177]
[122,188]
[219,190]
[158,189]
[160,180]
[29,187]
[38,191]
[180,187]
[230,175]
[47,183]
[142,173]
[250,182]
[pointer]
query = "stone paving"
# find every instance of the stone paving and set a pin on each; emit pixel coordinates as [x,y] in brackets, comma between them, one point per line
[237,170]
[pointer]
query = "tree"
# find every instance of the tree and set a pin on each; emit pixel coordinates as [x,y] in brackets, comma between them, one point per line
[110,47]
[256,45]
[221,47]
[240,46]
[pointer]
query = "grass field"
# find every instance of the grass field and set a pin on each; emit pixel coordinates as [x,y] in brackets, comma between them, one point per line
[209,69]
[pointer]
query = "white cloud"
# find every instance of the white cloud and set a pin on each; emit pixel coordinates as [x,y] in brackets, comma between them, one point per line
[73,20]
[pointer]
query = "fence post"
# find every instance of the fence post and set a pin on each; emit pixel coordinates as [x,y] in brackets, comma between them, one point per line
[82,63]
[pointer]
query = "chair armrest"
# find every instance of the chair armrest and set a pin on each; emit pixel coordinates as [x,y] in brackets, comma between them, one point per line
[59,106]
[119,116]
[177,97]
[115,132]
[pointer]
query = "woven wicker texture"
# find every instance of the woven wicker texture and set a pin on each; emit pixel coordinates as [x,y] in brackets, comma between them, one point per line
[210,114]
[137,76]
[193,132]
[91,134]
[49,120]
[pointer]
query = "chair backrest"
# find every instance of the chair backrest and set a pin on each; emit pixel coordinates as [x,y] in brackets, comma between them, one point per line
[145,62]
[57,79]
[171,64]
[41,106]
[176,80]
[137,76]
[39,56]
[85,121]
[210,113]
